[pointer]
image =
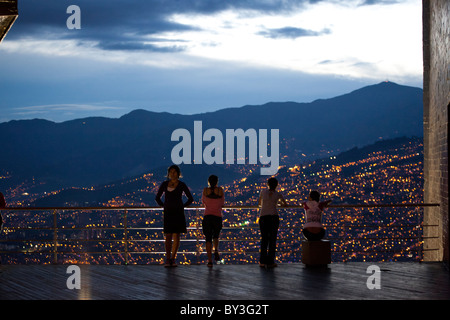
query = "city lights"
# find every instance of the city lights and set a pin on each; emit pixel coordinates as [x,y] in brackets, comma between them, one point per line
[389,176]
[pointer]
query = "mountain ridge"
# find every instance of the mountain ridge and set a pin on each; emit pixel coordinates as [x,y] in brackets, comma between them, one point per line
[95,150]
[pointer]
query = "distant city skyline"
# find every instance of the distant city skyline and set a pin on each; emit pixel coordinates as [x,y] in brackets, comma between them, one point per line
[198,56]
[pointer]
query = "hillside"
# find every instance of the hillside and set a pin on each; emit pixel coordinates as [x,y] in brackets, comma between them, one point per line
[359,175]
[95,151]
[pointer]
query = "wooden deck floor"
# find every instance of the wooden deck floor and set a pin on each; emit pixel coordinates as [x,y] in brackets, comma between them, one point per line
[226,282]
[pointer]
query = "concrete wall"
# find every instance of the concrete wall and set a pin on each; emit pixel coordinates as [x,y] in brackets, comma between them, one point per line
[436,50]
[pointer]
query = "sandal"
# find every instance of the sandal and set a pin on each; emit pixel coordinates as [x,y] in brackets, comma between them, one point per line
[216,255]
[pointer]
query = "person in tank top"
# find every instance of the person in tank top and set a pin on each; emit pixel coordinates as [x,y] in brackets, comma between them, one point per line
[213,199]
[269,222]
[313,229]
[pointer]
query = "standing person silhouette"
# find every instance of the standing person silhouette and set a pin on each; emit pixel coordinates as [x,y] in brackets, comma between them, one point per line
[213,199]
[269,222]
[174,218]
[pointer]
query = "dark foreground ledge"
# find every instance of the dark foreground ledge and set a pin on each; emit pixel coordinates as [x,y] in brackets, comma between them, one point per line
[397,280]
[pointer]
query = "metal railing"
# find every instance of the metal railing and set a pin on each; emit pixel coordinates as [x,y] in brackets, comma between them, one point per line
[52,239]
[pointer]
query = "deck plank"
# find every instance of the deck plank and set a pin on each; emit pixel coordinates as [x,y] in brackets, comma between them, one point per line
[406,281]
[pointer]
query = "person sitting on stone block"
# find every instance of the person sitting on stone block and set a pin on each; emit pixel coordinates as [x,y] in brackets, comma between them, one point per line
[313,229]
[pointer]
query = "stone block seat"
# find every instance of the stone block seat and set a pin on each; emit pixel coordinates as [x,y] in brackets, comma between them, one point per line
[316,253]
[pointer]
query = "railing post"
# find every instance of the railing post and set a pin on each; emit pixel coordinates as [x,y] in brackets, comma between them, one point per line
[125,234]
[420,232]
[198,235]
[55,238]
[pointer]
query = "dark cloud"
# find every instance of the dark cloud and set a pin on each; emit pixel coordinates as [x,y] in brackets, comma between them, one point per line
[139,16]
[325,62]
[382,2]
[137,46]
[291,33]
[112,24]
[126,24]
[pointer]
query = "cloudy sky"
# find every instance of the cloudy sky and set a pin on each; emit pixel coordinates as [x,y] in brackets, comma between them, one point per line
[194,56]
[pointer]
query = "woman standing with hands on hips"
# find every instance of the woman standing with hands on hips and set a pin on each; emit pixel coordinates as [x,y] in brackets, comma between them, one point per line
[174,219]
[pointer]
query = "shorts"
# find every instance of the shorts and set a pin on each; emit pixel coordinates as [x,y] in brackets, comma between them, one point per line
[314,236]
[212,225]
